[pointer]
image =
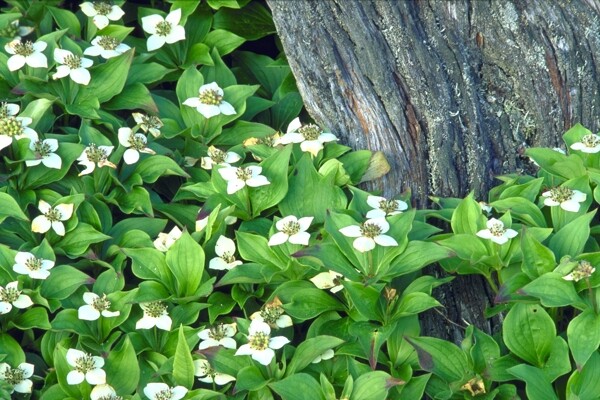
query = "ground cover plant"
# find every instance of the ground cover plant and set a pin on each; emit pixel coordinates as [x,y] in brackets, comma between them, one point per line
[172,226]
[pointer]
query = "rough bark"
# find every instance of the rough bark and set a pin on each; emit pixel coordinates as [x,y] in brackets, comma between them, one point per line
[451,91]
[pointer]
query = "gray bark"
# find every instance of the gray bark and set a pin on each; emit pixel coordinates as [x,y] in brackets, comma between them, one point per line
[451,91]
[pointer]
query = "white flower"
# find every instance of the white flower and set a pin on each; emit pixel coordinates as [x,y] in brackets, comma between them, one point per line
[291,229]
[155,314]
[104,392]
[26,53]
[219,157]
[225,248]
[72,65]
[218,335]
[163,30]
[28,264]
[238,177]
[328,280]
[166,240]
[51,217]
[326,355]
[260,343]
[568,199]
[162,391]
[310,136]
[148,123]
[496,232]
[485,207]
[10,296]
[18,377]
[93,155]
[589,144]
[102,12]
[210,101]
[207,374]
[106,47]
[383,207]
[13,127]
[94,307]
[136,144]
[369,233]
[87,367]
[583,270]
[272,313]
[44,151]
[14,31]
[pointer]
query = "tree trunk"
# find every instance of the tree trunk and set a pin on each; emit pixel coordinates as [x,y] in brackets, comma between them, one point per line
[451,91]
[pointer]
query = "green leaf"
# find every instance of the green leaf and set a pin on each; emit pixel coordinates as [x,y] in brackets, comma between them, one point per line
[537,258]
[224,41]
[298,387]
[115,71]
[186,261]
[152,168]
[553,291]
[441,357]
[123,367]
[415,257]
[183,364]
[374,386]
[134,96]
[558,362]
[63,281]
[528,332]
[220,304]
[275,169]
[76,242]
[310,303]
[10,208]
[310,349]
[256,248]
[584,384]
[414,303]
[571,239]
[521,209]
[36,111]
[366,299]
[62,370]
[11,348]
[65,19]
[467,217]
[251,22]
[583,334]
[537,385]
[146,73]
[250,378]
[36,317]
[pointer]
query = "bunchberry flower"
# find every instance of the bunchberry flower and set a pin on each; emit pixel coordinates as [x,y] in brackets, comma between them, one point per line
[135,143]
[102,12]
[207,374]
[238,177]
[10,296]
[260,343]
[225,250]
[72,65]
[95,155]
[219,157]
[218,335]
[291,229]
[17,378]
[106,47]
[87,367]
[496,232]
[94,307]
[210,101]
[26,53]
[165,240]
[326,355]
[589,144]
[155,314]
[104,392]
[328,280]
[14,31]
[583,270]
[383,207]
[567,199]
[310,136]
[162,391]
[51,217]
[272,313]
[28,264]
[148,123]
[13,127]
[369,233]
[163,30]
[44,151]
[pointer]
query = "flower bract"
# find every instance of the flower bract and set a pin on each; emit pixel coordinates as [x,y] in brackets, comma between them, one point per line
[291,229]
[52,217]
[328,280]
[135,144]
[148,123]
[28,264]
[94,307]
[589,144]
[155,314]
[369,234]
[310,136]
[95,155]
[13,127]
[26,53]
[383,207]
[225,250]
[219,157]
[207,374]
[162,391]
[10,296]
[496,232]
[260,343]
[218,335]
[17,378]
[73,66]
[165,240]
[272,313]
[44,151]
[238,177]
[567,199]
[106,47]
[163,30]
[86,367]
[210,101]
[102,12]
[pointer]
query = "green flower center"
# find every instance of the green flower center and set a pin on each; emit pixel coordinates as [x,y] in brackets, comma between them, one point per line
[310,131]
[590,140]
[108,42]
[244,174]
[163,28]
[150,122]
[72,61]
[102,7]
[206,369]
[561,194]
[85,363]
[166,394]
[218,332]
[137,142]
[583,271]
[370,230]
[95,154]
[10,31]
[271,314]
[53,215]
[23,49]
[217,156]
[388,205]
[9,295]
[101,303]
[259,341]
[3,110]
[291,228]
[228,257]
[14,376]
[41,149]
[497,229]
[110,397]
[211,97]
[10,126]
[34,264]
[268,140]
[155,309]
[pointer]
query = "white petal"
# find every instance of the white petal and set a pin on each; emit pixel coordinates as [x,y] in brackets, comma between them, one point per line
[305,223]
[300,238]
[178,392]
[5,141]
[22,257]
[283,322]
[550,202]
[291,137]
[499,239]
[33,163]
[23,301]
[88,9]
[5,307]
[363,244]
[86,63]
[75,377]
[131,156]
[223,379]
[37,60]
[177,34]
[294,125]
[264,357]
[61,72]
[327,137]
[149,23]
[278,238]
[257,181]
[164,322]
[283,222]
[278,342]
[374,201]
[96,376]
[124,134]
[40,224]
[152,389]
[218,264]
[110,314]
[205,344]
[39,274]
[510,233]
[15,62]
[101,21]
[61,54]
[52,160]
[88,313]
[226,108]
[351,231]
[232,157]
[155,42]
[381,222]
[570,205]
[115,13]
[27,369]
[66,211]
[244,350]
[208,110]
[235,185]
[80,75]
[24,386]
[324,280]
[385,240]
[578,196]
[93,50]
[377,213]
[211,86]
[192,102]
[485,234]
[311,146]
[73,355]
[228,343]
[145,323]
[174,16]
[224,245]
